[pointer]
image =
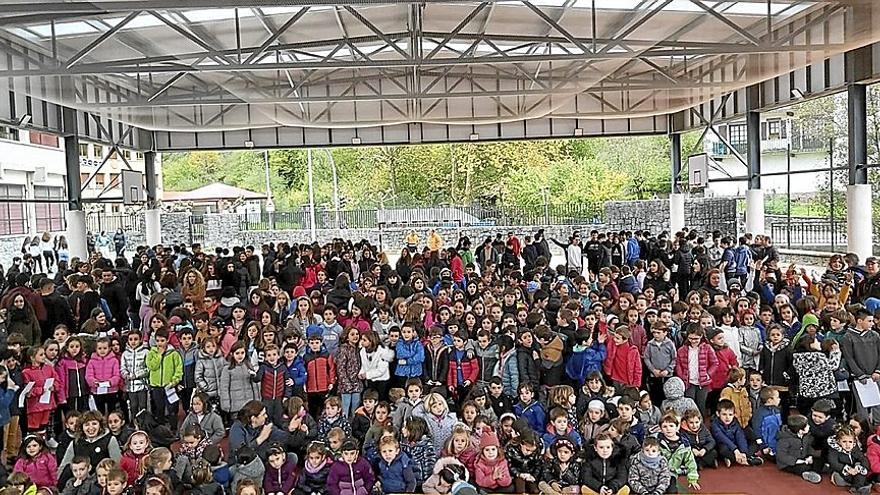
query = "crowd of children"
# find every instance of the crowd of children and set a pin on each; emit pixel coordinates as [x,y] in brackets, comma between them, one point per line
[307,369]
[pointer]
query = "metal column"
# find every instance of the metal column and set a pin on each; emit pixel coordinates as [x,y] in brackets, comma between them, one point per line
[151,178]
[152,216]
[675,145]
[76,217]
[754,194]
[859,225]
[676,198]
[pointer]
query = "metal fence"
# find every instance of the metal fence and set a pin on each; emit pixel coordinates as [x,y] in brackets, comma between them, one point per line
[815,234]
[464,216]
[110,222]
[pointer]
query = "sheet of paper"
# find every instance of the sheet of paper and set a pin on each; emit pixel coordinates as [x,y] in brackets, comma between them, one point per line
[24,393]
[868,393]
[171,393]
[92,405]
[842,386]
[102,389]
[46,396]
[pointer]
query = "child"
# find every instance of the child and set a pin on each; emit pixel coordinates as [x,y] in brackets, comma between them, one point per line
[461,446]
[37,462]
[736,392]
[313,477]
[118,427]
[417,445]
[219,468]
[524,461]
[203,480]
[848,464]
[595,421]
[249,466]
[189,352]
[134,373]
[81,483]
[201,414]
[696,384]
[795,452]
[492,473]
[133,455]
[731,439]
[751,342]
[649,470]
[117,482]
[463,369]
[559,428]
[395,469]
[720,373]
[160,462]
[320,371]
[647,413]
[618,429]
[500,401]
[410,353]
[564,474]
[103,376]
[659,360]
[71,425]
[166,371]
[273,377]
[333,418]
[767,420]
[351,473]
[678,454]
[507,370]
[775,363]
[606,471]
[530,409]
[330,330]
[821,428]
[296,368]
[699,439]
[363,416]
[440,420]
[279,477]
[624,363]
[45,387]
[72,387]
[411,405]
[626,409]
[563,396]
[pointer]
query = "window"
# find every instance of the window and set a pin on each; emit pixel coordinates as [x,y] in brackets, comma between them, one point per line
[84,150]
[49,140]
[99,152]
[99,180]
[9,133]
[50,216]
[13,219]
[114,180]
[738,134]
[774,129]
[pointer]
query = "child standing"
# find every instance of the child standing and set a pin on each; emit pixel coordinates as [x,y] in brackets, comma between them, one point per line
[273,379]
[736,392]
[166,371]
[134,373]
[659,360]
[320,371]
[530,409]
[697,377]
[623,363]
[726,360]
[410,353]
[41,399]
[103,376]
[72,387]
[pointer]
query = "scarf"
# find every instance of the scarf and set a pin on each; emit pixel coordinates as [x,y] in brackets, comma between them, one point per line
[649,462]
[315,469]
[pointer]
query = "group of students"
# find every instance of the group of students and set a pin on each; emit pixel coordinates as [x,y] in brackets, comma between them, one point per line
[313,369]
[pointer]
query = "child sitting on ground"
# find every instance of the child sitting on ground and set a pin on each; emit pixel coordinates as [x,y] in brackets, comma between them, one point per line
[677,452]
[733,447]
[794,450]
[848,464]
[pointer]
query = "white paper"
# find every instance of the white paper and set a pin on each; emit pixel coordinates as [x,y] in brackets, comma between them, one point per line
[842,386]
[24,393]
[868,393]
[102,389]
[171,394]
[92,405]
[46,396]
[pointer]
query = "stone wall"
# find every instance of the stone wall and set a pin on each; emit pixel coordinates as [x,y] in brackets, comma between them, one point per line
[653,215]
[175,227]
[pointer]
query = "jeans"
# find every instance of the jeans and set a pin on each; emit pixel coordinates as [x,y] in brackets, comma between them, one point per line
[698,394]
[350,403]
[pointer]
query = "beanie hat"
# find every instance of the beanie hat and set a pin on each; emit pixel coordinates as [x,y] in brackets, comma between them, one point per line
[489,439]
[809,319]
[596,405]
[314,331]
[298,292]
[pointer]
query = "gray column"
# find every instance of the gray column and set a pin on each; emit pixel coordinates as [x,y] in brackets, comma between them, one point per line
[754,194]
[675,145]
[76,217]
[859,227]
[857,129]
[152,179]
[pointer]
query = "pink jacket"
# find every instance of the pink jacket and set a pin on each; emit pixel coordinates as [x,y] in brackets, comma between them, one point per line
[486,471]
[63,368]
[43,470]
[708,361]
[39,375]
[104,369]
[228,340]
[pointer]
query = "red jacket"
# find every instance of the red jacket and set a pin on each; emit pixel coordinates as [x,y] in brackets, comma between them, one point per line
[873,453]
[708,363]
[103,369]
[320,371]
[726,360]
[470,367]
[457,267]
[38,376]
[623,363]
[273,380]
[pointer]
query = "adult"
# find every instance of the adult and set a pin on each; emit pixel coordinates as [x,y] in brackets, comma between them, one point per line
[252,429]
[119,242]
[23,320]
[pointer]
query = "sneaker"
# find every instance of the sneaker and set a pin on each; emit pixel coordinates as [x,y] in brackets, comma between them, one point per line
[755,460]
[727,462]
[865,490]
[52,444]
[837,480]
[812,476]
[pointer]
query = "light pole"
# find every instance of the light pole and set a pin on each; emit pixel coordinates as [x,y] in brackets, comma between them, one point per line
[270,204]
[312,199]
[335,186]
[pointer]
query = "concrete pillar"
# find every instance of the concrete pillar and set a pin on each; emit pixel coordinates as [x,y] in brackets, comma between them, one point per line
[755,211]
[153,226]
[676,212]
[859,231]
[76,234]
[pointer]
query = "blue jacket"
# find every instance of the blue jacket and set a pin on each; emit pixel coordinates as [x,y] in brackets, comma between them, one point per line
[584,360]
[550,436]
[731,436]
[509,374]
[410,356]
[397,477]
[6,397]
[766,423]
[297,371]
[741,256]
[628,283]
[632,250]
[533,413]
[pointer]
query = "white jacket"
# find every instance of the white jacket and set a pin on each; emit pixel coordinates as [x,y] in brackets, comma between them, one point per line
[133,368]
[375,365]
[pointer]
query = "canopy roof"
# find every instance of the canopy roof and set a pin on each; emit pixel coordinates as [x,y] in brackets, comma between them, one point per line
[205,65]
[212,192]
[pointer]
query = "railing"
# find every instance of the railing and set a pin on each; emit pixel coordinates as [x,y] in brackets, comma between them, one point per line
[109,222]
[814,234]
[464,216]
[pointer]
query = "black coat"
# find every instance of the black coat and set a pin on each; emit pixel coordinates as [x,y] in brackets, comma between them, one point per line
[117,301]
[529,371]
[612,473]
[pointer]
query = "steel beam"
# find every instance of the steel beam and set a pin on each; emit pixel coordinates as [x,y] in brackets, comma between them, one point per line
[753,135]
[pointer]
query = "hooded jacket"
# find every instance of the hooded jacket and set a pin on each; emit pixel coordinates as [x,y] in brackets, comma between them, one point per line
[623,363]
[39,375]
[313,479]
[815,373]
[350,479]
[776,363]
[165,368]
[611,473]
[238,386]
[280,480]
[423,458]
[731,436]
[680,457]
[374,365]
[646,480]
[674,389]
[43,470]
[583,360]
[660,356]
[103,369]
[533,413]
[253,470]
[839,459]
[397,476]
[790,447]
[410,358]
[71,378]
[208,372]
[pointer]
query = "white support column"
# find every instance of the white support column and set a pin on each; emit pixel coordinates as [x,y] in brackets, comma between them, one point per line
[76,234]
[154,227]
[859,231]
[755,211]
[676,213]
